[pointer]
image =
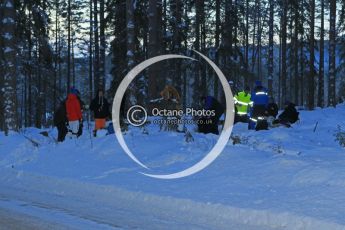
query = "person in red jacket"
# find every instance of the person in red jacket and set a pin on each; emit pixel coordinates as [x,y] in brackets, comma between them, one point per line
[73,110]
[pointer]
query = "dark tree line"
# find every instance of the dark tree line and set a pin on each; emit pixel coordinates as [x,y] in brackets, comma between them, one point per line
[283,43]
[297,48]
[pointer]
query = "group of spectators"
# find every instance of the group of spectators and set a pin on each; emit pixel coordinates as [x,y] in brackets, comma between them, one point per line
[69,116]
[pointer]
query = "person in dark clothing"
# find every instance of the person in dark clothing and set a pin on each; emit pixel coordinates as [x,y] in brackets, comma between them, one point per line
[209,124]
[100,107]
[289,115]
[272,108]
[123,114]
[123,108]
[258,115]
[60,121]
[82,105]
[272,112]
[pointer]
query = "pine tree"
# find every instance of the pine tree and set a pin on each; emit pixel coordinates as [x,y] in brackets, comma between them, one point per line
[9,47]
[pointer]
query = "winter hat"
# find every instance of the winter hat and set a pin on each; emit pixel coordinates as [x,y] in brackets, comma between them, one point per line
[258,83]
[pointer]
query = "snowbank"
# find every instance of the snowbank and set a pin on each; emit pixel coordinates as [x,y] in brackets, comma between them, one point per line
[277,179]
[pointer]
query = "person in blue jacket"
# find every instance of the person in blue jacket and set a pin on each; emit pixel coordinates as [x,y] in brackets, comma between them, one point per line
[258,112]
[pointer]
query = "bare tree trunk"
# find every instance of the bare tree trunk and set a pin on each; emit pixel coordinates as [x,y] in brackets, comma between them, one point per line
[69,46]
[271,48]
[246,80]
[177,40]
[101,83]
[24,101]
[59,65]
[130,46]
[38,99]
[311,80]
[30,102]
[227,39]
[164,23]
[73,62]
[259,40]
[153,90]
[197,77]
[96,44]
[284,52]
[57,57]
[320,98]
[236,19]
[217,36]
[254,38]
[2,121]
[185,80]
[203,73]
[280,69]
[290,53]
[296,48]
[302,68]
[332,48]
[302,60]
[91,53]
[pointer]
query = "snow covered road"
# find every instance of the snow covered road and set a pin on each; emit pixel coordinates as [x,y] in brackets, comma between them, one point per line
[75,205]
[17,221]
[105,208]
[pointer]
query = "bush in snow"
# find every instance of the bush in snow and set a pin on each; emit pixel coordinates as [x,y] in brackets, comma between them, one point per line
[340,136]
[236,139]
[341,91]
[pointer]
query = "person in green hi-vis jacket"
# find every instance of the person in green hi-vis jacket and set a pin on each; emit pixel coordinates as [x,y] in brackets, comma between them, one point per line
[242,105]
